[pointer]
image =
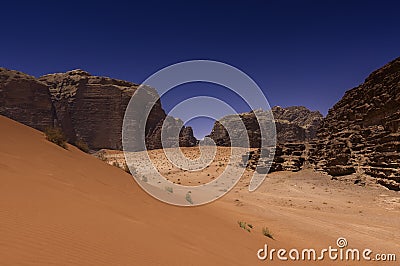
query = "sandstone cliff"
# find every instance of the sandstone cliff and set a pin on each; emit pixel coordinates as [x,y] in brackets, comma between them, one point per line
[90,108]
[293,124]
[172,127]
[25,99]
[361,133]
[296,123]
[287,157]
[86,107]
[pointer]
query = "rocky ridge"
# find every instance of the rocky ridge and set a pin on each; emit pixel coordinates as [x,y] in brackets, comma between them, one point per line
[295,127]
[87,108]
[25,99]
[293,124]
[91,108]
[296,123]
[361,133]
[359,138]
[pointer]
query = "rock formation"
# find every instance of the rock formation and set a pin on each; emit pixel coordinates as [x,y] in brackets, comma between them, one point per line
[361,133]
[234,125]
[296,123]
[87,108]
[288,157]
[91,108]
[293,124]
[25,99]
[172,127]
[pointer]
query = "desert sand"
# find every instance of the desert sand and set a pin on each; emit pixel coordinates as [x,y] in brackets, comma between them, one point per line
[65,207]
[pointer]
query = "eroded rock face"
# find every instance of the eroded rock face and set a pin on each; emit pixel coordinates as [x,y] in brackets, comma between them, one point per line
[25,99]
[287,157]
[361,133]
[172,127]
[186,137]
[296,123]
[86,107]
[293,124]
[92,108]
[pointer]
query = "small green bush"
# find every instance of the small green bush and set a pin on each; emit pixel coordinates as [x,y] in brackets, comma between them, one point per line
[169,189]
[55,135]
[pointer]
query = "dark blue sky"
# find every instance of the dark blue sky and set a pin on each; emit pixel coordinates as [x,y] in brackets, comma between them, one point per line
[299,52]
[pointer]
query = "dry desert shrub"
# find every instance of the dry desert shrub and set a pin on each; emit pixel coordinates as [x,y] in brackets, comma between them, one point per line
[266,232]
[55,135]
[245,226]
[82,145]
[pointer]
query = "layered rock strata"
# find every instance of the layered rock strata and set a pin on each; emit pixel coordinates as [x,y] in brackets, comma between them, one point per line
[87,108]
[293,124]
[361,133]
[25,99]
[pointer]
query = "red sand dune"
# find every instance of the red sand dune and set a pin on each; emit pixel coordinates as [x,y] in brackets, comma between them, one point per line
[65,207]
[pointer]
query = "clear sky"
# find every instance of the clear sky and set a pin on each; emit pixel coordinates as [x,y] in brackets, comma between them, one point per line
[299,52]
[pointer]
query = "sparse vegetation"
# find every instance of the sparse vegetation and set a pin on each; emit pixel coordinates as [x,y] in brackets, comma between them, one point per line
[245,226]
[242,224]
[266,232]
[169,189]
[82,145]
[55,135]
[144,178]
